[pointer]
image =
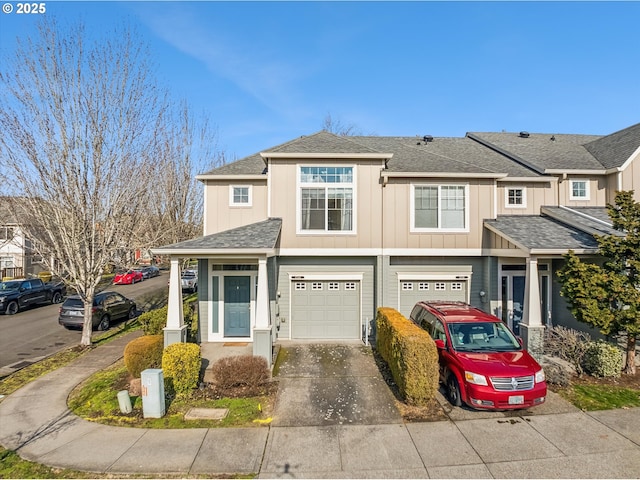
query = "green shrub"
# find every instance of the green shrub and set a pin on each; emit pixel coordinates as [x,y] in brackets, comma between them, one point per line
[411,354]
[142,353]
[190,312]
[153,321]
[241,371]
[181,364]
[603,359]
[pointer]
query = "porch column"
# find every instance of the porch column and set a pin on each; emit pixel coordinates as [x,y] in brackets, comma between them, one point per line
[176,330]
[262,331]
[531,328]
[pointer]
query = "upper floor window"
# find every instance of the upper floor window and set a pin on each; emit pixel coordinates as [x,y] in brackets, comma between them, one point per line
[6,233]
[326,199]
[516,197]
[439,207]
[579,190]
[240,195]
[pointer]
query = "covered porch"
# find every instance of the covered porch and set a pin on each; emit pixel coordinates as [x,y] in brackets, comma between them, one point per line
[234,292]
[527,249]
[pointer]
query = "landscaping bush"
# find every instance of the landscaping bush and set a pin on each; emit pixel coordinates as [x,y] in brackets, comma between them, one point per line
[603,359]
[190,311]
[411,354]
[153,321]
[142,353]
[181,364]
[568,344]
[241,371]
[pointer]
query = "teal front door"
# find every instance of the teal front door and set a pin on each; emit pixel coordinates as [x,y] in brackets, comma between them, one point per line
[237,300]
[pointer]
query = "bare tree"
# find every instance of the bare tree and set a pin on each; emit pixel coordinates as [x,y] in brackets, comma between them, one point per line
[79,122]
[337,127]
[187,146]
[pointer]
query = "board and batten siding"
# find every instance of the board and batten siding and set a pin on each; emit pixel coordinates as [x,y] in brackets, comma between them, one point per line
[537,195]
[220,216]
[323,266]
[397,215]
[367,205]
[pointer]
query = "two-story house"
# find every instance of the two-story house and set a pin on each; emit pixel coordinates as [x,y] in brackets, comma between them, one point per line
[305,240]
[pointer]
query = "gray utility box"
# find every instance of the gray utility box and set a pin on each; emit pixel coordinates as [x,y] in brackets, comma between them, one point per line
[152,386]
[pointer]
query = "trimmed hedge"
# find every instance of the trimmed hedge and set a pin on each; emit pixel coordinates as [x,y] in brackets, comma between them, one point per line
[241,371]
[411,354]
[153,321]
[142,353]
[603,359]
[181,364]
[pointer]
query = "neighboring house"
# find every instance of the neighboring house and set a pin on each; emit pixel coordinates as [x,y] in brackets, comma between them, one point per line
[17,257]
[305,240]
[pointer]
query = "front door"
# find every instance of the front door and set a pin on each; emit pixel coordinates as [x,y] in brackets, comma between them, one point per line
[237,301]
[513,300]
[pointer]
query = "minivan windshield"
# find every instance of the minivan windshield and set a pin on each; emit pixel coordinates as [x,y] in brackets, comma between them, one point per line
[482,337]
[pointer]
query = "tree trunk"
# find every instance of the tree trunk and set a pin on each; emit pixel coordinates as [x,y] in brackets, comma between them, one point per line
[630,367]
[87,327]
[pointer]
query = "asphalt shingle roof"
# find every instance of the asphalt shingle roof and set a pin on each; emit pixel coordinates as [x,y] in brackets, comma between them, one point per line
[545,150]
[588,219]
[615,149]
[542,233]
[260,235]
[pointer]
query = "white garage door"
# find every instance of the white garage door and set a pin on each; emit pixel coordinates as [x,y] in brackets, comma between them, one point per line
[414,291]
[325,309]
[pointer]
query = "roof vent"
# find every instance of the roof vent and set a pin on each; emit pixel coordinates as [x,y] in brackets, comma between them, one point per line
[524,134]
[553,138]
[427,138]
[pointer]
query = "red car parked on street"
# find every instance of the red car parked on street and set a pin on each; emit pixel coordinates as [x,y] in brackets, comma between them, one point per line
[482,363]
[127,278]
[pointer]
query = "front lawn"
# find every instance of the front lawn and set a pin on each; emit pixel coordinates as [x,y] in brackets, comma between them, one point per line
[96,399]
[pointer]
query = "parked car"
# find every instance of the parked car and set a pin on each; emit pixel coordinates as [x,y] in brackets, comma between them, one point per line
[18,294]
[128,278]
[107,307]
[189,281]
[148,271]
[482,363]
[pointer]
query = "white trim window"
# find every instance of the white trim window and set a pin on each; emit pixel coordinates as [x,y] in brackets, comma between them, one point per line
[515,197]
[439,208]
[240,195]
[326,199]
[578,190]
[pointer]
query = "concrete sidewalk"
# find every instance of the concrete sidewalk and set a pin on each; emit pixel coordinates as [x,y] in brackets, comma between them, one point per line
[35,422]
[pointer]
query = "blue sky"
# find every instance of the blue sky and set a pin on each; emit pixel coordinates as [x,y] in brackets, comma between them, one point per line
[267,72]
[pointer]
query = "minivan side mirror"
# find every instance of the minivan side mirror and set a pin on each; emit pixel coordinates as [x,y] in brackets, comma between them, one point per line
[440,344]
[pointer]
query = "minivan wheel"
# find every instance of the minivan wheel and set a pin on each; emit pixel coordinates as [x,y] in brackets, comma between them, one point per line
[453,391]
[104,323]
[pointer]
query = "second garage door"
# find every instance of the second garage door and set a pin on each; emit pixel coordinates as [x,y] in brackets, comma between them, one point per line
[325,309]
[414,291]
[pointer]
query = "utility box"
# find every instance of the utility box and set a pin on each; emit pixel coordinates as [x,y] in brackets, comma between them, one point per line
[152,386]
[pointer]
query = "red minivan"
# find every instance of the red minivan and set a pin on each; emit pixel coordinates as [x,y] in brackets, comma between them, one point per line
[482,363]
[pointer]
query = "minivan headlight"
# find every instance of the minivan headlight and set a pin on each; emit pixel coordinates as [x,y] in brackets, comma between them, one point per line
[476,378]
[540,376]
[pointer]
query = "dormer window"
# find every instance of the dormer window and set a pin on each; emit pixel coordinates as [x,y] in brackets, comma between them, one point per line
[579,190]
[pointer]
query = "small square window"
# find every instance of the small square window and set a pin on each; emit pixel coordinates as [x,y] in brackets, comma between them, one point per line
[350,286]
[301,286]
[441,286]
[579,190]
[457,286]
[316,286]
[516,197]
[423,286]
[407,286]
[334,286]
[240,195]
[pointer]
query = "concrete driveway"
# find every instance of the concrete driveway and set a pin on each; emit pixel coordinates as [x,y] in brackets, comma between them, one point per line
[331,384]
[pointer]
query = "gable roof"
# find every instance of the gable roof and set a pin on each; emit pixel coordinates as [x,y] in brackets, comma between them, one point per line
[322,142]
[615,149]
